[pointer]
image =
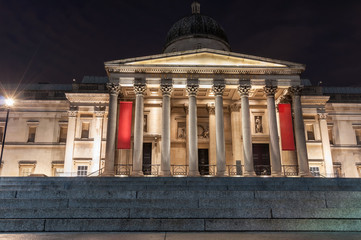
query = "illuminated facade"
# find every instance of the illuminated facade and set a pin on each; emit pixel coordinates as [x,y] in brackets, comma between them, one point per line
[198,109]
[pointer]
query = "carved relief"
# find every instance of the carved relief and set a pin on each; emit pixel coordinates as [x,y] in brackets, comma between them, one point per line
[203,131]
[258,124]
[211,109]
[181,130]
[235,107]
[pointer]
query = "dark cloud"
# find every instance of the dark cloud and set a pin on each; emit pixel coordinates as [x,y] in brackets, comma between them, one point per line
[57,41]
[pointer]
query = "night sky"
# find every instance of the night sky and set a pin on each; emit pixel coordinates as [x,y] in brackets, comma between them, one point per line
[56,41]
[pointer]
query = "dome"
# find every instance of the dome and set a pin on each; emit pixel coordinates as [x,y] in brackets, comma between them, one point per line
[198,30]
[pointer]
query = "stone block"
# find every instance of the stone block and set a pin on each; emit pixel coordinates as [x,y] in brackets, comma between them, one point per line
[346,225]
[85,194]
[309,195]
[4,194]
[33,203]
[129,203]
[21,225]
[121,225]
[194,194]
[331,213]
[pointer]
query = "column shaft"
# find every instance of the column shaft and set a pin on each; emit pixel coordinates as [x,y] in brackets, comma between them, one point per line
[300,133]
[192,131]
[273,132]
[220,142]
[69,148]
[212,153]
[111,130]
[326,149]
[165,151]
[138,131]
[246,132]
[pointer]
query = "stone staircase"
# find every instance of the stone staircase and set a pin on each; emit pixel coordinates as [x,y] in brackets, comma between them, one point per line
[179,204]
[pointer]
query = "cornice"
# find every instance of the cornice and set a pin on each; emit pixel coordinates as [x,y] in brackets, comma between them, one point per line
[87,97]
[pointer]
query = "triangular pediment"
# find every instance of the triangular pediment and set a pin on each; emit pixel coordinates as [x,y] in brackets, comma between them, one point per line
[205,57]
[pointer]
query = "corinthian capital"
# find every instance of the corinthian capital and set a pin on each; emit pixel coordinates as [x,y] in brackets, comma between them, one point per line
[218,89]
[322,115]
[244,90]
[296,90]
[139,89]
[166,89]
[270,90]
[192,89]
[113,88]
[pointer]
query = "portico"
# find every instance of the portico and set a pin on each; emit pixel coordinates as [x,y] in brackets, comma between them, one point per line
[210,83]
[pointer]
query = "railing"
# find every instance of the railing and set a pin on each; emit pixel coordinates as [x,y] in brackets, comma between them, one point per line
[151,169]
[290,170]
[179,170]
[332,175]
[235,170]
[207,169]
[262,169]
[96,173]
[123,169]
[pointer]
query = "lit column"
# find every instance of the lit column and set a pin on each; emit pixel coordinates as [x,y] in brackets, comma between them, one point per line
[212,134]
[236,132]
[327,156]
[165,153]
[139,90]
[273,132]
[300,137]
[192,130]
[220,143]
[99,114]
[114,90]
[246,131]
[69,148]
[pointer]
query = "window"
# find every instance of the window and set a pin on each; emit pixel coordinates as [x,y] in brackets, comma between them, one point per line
[82,171]
[310,132]
[358,136]
[26,168]
[330,135]
[31,135]
[85,130]
[315,171]
[63,133]
[1,133]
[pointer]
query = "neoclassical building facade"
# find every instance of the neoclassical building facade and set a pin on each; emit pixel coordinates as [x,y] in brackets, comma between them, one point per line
[197,109]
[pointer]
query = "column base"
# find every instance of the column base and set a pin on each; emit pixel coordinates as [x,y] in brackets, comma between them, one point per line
[137,174]
[222,174]
[194,174]
[249,174]
[165,173]
[276,174]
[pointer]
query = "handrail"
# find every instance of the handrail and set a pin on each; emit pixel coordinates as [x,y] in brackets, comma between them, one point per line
[96,173]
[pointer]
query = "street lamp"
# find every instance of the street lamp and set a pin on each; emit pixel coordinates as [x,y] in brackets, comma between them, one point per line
[8,103]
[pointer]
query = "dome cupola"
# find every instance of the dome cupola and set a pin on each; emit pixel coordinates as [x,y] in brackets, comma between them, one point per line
[194,32]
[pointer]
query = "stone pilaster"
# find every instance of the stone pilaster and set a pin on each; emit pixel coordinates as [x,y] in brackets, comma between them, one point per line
[165,152]
[69,148]
[114,90]
[273,132]
[212,134]
[99,114]
[192,131]
[237,147]
[220,142]
[300,137]
[326,149]
[246,131]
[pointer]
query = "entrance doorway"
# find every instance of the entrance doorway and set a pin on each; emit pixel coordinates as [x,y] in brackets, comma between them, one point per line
[261,159]
[203,161]
[147,159]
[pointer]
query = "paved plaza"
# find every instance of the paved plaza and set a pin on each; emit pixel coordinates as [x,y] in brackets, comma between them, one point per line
[179,236]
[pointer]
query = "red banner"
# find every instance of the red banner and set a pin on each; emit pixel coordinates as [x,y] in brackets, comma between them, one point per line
[287,139]
[124,125]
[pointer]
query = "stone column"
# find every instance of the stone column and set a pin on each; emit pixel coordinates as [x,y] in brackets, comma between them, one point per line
[99,114]
[69,148]
[192,131]
[326,149]
[114,90]
[273,132]
[246,131]
[139,90]
[236,132]
[212,134]
[220,142]
[300,137]
[165,152]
